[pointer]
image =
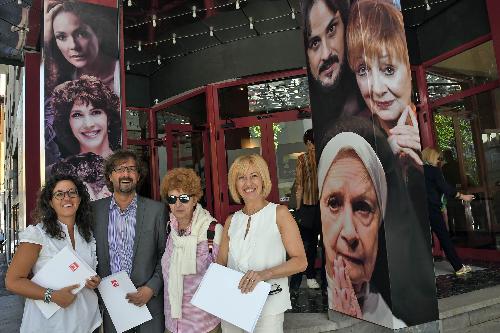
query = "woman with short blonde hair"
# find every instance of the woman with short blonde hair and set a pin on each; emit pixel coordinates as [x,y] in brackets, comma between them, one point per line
[192,245]
[257,239]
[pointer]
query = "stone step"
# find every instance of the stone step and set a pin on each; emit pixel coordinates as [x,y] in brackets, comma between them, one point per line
[456,314]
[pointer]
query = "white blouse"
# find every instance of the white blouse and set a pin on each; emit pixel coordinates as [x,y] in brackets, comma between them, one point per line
[83,315]
[260,249]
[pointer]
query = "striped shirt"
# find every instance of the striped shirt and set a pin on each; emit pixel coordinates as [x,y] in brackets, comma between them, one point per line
[306,178]
[121,234]
[193,319]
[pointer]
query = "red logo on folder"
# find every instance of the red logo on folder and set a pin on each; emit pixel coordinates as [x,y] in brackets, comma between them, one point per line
[74,266]
[115,283]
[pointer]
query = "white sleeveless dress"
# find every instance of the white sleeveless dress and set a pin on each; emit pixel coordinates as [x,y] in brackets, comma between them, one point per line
[262,248]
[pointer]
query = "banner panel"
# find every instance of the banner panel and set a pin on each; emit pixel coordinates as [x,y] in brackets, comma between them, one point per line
[372,193]
[81,85]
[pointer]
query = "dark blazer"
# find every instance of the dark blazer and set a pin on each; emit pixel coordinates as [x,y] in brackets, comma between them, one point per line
[149,245]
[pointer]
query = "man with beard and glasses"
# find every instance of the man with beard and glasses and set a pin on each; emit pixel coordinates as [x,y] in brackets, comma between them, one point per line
[332,85]
[130,236]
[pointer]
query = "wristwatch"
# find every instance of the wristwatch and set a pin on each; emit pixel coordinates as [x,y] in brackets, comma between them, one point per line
[47,296]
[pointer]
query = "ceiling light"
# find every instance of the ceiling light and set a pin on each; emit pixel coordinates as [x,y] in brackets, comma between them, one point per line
[211,31]
[251,22]
[237,5]
[19,2]
[129,3]
[194,11]
[154,20]
[128,65]
[173,38]
[139,46]
[158,59]
[293,13]
[427,6]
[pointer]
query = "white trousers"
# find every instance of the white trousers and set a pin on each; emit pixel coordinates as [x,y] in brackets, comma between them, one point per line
[265,324]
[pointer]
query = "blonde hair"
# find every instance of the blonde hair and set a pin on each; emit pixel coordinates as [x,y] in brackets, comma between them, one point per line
[375,25]
[431,156]
[241,165]
[181,179]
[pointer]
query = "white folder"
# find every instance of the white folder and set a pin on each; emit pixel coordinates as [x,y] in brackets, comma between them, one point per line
[219,295]
[124,315]
[65,269]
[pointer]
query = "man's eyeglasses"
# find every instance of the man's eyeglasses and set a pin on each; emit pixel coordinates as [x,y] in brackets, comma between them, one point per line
[59,195]
[123,168]
[275,289]
[183,198]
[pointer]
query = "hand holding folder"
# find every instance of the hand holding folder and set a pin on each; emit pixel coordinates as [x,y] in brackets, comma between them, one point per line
[65,269]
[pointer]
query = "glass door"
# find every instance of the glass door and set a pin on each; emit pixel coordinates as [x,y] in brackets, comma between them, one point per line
[188,148]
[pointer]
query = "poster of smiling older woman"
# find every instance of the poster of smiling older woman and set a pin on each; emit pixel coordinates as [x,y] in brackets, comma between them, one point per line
[81,89]
[370,177]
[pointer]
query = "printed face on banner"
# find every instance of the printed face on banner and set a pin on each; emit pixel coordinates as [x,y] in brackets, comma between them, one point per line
[82,89]
[325,45]
[351,218]
[77,41]
[385,84]
[89,126]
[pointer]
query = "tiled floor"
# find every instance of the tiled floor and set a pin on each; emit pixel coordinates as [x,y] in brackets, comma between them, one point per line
[483,275]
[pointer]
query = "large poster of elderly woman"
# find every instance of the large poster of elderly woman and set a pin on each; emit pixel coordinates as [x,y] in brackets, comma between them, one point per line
[81,89]
[372,194]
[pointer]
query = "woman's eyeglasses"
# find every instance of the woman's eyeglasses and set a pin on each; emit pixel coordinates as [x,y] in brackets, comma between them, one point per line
[59,195]
[183,198]
[275,289]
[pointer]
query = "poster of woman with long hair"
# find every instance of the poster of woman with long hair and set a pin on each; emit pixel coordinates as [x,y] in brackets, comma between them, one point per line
[81,89]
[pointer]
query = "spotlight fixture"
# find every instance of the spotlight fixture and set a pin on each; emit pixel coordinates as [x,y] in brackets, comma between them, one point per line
[427,6]
[293,13]
[173,38]
[250,19]
[237,4]
[194,11]
[139,46]
[129,3]
[19,2]
[154,20]
[128,65]
[211,31]
[158,59]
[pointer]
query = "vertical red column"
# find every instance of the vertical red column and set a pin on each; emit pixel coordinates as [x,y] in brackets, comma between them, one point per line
[32,118]
[212,103]
[493,10]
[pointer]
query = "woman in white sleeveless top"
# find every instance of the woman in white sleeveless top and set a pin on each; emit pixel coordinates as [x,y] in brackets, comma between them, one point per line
[256,240]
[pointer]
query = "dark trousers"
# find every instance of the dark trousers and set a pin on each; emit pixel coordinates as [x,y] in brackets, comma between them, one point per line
[438,226]
[310,228]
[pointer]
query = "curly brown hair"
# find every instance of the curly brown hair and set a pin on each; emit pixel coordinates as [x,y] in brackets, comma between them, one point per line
[116,158]
[45,214]
[182,179]
[87,90]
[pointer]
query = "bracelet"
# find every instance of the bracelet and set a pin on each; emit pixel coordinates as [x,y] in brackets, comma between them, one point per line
[47,296]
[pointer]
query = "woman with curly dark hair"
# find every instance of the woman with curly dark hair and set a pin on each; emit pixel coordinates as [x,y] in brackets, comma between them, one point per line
[80,38]
[63,219]
[87,117]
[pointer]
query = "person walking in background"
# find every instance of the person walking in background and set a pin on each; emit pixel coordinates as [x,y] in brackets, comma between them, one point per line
[2,240]
[257,239]
[306,180]
[437,186]
[64,219]
[192,245]
[130,236]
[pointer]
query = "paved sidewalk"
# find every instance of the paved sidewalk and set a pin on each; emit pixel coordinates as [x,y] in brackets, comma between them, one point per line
[476,311]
